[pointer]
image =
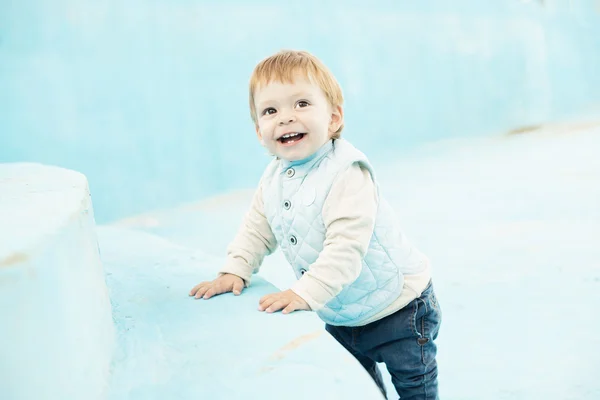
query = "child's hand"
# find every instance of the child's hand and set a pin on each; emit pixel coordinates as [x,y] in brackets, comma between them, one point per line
[288,300]
[223,284]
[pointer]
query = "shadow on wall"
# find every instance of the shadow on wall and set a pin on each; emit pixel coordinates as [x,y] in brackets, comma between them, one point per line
[150,100]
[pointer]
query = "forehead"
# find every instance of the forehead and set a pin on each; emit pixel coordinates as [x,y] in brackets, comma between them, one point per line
[276,89]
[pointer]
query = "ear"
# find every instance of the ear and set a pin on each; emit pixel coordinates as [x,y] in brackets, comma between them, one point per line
[259,135]
[337,119]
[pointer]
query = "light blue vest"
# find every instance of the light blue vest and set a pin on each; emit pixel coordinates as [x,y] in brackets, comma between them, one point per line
[294,194]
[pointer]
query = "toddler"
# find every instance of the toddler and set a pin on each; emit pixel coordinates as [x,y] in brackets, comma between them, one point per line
[319,200]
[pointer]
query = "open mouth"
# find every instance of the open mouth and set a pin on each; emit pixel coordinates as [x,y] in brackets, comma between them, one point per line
[291,138]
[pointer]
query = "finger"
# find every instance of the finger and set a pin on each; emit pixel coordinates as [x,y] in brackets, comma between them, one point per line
[212,291]
[267,302]
[199,288]
[215,289]
[290,308]
[201,291]
[237,288]
[278,305]
[195,288]
[265,298]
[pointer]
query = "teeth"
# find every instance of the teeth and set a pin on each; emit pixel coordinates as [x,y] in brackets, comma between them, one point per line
[289,135]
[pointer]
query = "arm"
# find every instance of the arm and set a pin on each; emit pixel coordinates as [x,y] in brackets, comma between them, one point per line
[349,215]
[253,241]
[245,254]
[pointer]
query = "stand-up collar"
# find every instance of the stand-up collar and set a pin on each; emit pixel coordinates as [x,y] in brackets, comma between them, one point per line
[309,161]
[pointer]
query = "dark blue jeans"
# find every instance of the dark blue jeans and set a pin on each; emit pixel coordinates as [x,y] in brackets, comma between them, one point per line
[404,342]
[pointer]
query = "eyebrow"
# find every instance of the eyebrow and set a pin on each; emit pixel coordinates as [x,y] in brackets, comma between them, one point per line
[300,94]
[266,103]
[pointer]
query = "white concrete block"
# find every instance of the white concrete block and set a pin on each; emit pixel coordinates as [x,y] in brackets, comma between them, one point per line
[57,334]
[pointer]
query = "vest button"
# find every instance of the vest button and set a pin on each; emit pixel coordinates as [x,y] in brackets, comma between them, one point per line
[287,204]
[293,240]
[290,172]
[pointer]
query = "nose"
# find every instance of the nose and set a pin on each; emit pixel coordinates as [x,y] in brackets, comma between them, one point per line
[286,119]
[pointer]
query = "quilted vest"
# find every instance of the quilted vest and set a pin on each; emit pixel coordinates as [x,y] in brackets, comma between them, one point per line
[294,194]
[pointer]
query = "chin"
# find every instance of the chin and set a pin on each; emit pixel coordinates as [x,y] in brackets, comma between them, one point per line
[290,158]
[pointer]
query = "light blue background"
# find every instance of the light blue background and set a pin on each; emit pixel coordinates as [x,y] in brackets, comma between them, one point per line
[149,98]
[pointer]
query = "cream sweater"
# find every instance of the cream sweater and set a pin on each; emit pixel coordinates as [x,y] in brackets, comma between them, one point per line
[349,216]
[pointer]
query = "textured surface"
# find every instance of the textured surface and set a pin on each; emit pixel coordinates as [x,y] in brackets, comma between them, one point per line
[56,339]
[172,346]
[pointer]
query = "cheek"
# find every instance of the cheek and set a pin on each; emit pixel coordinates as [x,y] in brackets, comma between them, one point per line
[315,120]
[264,128]
[324,121]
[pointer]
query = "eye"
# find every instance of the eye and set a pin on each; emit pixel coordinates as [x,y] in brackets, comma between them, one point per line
[302,103]
[269,111]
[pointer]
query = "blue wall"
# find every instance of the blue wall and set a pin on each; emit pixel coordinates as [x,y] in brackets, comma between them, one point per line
[149,98]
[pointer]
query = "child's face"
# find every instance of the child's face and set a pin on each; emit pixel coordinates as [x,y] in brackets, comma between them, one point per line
[294,119]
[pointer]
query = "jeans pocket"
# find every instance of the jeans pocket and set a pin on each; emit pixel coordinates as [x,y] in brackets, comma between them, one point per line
[428,325]
[433,301]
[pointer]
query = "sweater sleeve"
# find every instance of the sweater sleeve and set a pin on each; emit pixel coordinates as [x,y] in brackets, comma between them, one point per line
[349,214]
[253,241]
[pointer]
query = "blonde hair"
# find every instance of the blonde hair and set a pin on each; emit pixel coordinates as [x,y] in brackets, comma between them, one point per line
[282,67]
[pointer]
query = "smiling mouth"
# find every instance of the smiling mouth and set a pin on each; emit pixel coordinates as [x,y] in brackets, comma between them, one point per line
[290,138]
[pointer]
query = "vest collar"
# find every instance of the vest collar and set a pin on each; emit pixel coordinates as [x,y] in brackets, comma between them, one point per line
[309,161]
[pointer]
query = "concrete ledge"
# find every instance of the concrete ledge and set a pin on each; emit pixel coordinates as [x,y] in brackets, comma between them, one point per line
[171,346]
[56,339]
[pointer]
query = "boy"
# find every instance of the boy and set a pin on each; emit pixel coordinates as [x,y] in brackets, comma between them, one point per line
[319,200]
